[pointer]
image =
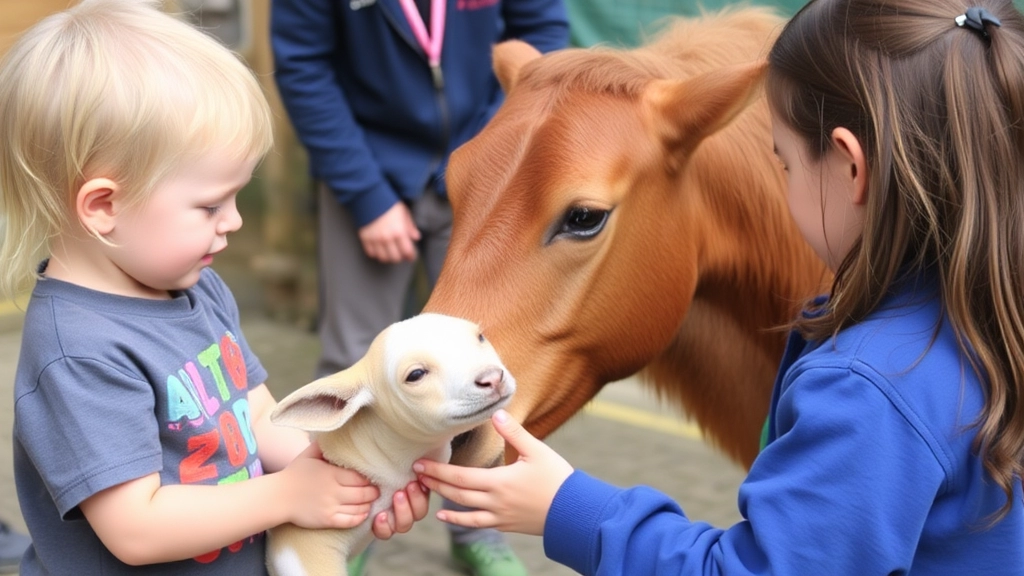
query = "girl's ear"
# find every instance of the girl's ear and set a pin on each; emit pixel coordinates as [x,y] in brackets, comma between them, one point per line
[94,205]
[852,153]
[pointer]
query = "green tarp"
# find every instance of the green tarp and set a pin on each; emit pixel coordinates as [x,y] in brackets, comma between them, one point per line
[627,22]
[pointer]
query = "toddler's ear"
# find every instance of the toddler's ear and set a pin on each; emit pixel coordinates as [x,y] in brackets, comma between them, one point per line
[94,205]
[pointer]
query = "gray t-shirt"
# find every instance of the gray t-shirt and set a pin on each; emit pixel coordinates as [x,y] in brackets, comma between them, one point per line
[110,389]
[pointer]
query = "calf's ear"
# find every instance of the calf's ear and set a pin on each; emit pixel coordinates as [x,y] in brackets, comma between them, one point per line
[684,112]
[508,59]
[325,404]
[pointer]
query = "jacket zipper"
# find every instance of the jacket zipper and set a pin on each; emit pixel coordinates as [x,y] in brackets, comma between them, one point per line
[442,103]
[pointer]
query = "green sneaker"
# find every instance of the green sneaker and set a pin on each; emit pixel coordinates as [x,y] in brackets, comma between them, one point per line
[357,563]
[488,558]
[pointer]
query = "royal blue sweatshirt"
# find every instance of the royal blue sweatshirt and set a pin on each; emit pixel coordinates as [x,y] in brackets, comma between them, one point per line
[869,470]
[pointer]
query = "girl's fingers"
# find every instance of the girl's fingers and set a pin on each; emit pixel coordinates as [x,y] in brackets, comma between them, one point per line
[382,526]
[469,519]
[513,432]
[419,499]
[471,478]
[407,506]
[470,498]
[403,515]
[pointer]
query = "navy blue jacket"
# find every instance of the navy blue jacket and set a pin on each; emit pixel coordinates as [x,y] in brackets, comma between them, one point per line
[362,98]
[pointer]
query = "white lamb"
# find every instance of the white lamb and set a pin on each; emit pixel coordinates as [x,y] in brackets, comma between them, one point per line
[422,382]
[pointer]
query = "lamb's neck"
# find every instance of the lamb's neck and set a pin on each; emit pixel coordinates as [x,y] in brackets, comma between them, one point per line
[375,450]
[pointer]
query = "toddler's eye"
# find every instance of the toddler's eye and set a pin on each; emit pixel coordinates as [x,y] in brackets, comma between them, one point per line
[212,210]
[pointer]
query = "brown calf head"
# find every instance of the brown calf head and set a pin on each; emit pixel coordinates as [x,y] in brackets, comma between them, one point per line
[580,232]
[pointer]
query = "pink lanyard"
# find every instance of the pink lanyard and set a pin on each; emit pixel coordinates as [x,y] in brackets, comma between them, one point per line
[431,43]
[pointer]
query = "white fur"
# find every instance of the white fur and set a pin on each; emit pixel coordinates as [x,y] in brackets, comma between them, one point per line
[287,561]
[422,382]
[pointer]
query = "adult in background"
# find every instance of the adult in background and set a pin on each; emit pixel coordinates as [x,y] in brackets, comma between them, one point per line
[380,93]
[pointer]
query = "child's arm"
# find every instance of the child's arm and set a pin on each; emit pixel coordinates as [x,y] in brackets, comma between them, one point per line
[513,498]
[277,445]
[142,522]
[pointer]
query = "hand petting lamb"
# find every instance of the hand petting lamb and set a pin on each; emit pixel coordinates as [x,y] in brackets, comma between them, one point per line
[422,382]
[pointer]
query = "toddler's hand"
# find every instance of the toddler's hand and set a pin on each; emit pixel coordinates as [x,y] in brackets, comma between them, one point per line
[322,495]
[513,498]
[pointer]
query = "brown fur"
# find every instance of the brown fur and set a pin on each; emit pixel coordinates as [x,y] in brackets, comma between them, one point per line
[699,264]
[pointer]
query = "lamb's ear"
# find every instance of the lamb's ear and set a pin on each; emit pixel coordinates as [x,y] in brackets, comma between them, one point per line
[685,112]
[325,404]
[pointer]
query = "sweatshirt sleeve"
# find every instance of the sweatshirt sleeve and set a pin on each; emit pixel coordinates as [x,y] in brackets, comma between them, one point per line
[303,37]
[843,490]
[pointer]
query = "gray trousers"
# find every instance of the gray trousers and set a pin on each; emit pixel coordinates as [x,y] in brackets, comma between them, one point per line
[360,296]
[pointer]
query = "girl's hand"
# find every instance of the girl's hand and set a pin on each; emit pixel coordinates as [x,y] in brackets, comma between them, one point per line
[513,498]
[322,495]
[408,506]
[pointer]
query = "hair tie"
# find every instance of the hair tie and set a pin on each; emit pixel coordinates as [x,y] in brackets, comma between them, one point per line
[976,18]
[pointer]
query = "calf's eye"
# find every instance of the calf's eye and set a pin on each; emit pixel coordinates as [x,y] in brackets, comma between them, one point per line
[581,223]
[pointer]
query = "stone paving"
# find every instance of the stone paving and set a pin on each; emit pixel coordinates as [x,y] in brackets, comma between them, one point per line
[702,481]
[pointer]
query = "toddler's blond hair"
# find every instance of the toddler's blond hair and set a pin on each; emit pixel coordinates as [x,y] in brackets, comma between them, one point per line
[116,89]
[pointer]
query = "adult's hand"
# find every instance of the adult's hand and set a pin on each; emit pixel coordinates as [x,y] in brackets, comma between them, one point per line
[392,237]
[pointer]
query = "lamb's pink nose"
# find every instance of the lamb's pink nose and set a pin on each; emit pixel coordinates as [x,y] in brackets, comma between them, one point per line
[494,379]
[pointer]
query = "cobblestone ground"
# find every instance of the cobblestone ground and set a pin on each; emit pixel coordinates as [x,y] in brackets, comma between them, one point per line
[702,481]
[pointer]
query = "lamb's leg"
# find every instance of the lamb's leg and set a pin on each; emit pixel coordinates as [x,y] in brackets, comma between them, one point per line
[294,551]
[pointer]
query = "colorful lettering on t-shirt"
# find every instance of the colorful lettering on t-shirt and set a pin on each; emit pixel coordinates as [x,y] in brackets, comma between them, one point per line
[208,414]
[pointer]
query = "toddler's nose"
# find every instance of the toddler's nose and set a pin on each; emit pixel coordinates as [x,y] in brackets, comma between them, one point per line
[231,219]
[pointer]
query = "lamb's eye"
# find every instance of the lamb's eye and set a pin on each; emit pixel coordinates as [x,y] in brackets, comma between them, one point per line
[416,375]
